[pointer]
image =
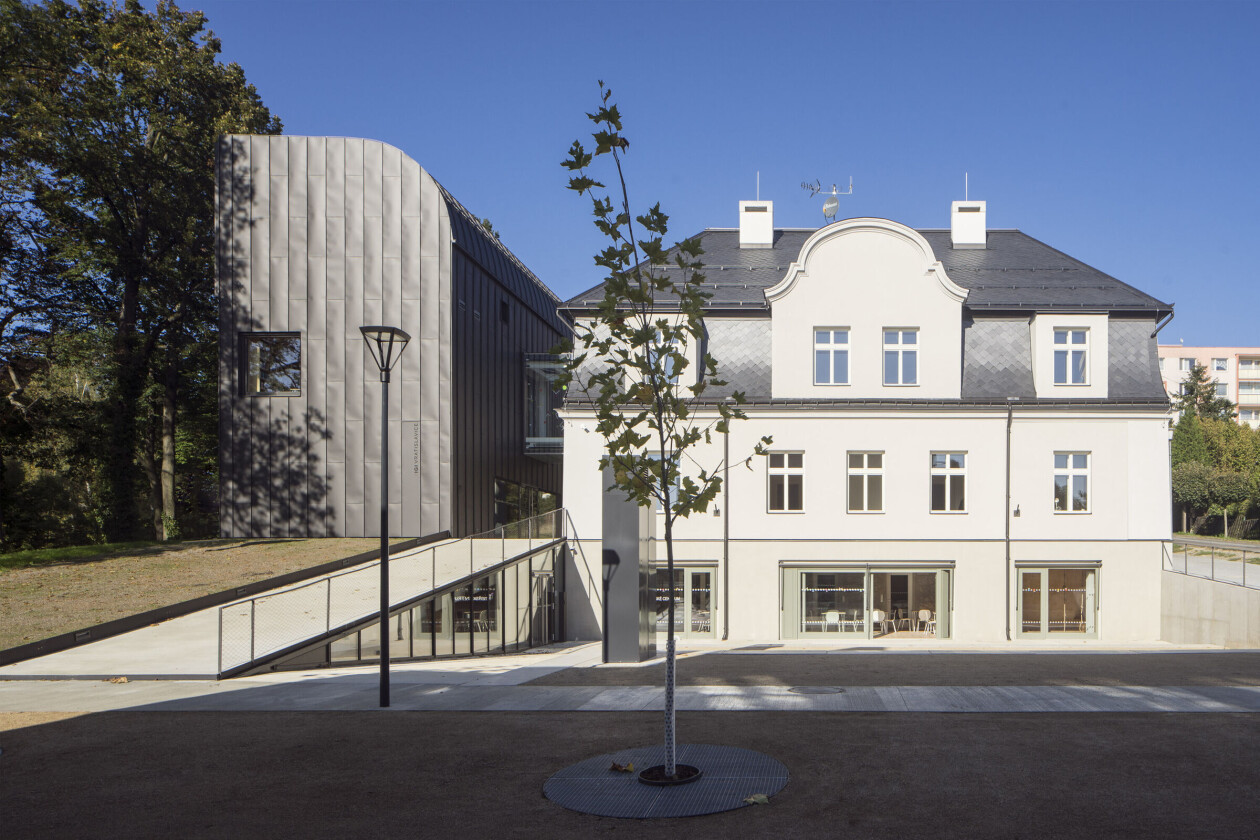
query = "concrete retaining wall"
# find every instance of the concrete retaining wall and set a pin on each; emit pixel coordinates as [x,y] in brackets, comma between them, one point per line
[1201,611]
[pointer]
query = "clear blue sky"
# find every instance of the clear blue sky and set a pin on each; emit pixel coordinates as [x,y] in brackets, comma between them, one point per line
[1124,134]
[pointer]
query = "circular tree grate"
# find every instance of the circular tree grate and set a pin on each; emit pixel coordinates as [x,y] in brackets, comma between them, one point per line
[731,775]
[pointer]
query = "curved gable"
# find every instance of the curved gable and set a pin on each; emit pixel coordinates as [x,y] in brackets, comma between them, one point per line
[855,243]
[859,278]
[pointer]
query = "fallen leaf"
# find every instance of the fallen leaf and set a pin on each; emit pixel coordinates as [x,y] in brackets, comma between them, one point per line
[118,680]
[622,768]
[757,799]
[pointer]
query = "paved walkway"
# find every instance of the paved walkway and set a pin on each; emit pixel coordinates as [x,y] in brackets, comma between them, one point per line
[517,683]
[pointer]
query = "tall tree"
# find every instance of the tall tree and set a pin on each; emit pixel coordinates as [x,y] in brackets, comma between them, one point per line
[631,363]
[1188,443]
[1198,396]
[111,118]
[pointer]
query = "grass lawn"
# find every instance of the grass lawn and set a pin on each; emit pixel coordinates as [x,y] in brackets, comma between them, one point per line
[47,592]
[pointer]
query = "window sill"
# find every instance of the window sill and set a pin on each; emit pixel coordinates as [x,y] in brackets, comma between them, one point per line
[1072,512]
[901,384]
[275,394]
[947,512]
[867,512]
[780,512]
[831,384]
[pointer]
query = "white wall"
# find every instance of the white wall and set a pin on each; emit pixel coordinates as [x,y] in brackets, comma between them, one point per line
[1043,347]
[867,274]
[1129,500]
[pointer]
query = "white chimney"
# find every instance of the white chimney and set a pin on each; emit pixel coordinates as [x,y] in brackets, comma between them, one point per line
[966,224]
[756,224]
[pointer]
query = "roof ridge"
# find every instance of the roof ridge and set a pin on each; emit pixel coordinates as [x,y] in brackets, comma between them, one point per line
[494,240]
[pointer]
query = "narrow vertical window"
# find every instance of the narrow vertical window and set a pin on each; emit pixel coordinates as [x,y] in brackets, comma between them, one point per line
[1071,482]
[786,475]
[866,482]
[949,482]
[1071,357]
[901,357]
[272,364]
[831,356]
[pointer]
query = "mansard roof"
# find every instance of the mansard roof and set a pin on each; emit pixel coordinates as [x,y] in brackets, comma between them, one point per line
[1014,272]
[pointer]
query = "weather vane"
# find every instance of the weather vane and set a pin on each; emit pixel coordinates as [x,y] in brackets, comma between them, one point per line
[832,204]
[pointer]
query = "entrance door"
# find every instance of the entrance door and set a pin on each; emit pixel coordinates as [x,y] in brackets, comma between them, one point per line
[543,627]
[694,602]
[1057,602]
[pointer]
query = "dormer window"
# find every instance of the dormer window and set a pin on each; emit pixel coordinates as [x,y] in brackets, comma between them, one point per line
[1071,355]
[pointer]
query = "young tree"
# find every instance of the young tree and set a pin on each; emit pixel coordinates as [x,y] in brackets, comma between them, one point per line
[631,363]
[1198,396]
[111,115]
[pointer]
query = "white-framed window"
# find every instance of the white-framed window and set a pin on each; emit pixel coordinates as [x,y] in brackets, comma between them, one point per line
[1249,415]
[666,349]
[866,482]
[1071,482]
[1161,364]
[1249,365]
[272,364]
[1249,389]
[1184,364]
[785,475]
[831,356]
[949,482]
[1220,364]
[1071,356]
[1222,390]
[1183,389]
[901,357]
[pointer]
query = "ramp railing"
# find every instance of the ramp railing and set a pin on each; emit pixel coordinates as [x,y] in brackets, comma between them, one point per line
[258,628]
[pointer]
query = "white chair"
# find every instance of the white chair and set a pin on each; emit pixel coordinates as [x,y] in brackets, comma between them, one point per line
[925,619]
[881,618]
[829,618]
[931,626]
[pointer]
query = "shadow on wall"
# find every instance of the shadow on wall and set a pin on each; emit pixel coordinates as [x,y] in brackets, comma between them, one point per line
[275,479]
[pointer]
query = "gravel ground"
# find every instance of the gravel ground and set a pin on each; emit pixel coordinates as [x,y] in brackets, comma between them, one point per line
[474,775]
[43,601]
[1156,669]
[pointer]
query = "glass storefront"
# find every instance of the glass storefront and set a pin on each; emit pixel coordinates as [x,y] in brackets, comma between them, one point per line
[510,609]
[866,602]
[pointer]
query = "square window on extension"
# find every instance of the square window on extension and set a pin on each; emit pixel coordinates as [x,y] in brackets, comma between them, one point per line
[272,364]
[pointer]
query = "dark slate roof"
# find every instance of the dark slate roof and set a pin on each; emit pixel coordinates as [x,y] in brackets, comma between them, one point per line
[1015,272]
[502,264]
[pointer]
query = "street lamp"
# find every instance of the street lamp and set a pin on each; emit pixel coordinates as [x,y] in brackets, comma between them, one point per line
[386,345]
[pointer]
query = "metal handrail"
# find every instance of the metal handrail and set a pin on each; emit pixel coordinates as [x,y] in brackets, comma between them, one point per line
[1169,565]
[526,529]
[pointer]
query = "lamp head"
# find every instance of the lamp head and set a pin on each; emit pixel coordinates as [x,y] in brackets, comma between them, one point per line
[386,345]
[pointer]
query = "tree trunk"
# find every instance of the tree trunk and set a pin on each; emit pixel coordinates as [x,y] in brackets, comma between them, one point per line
[671,749]
[120,452]
[170,393]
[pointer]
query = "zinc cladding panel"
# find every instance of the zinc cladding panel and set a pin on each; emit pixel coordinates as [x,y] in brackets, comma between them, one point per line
[228,153]
[446,395]
[1133,360]
[741,347]
[997,358]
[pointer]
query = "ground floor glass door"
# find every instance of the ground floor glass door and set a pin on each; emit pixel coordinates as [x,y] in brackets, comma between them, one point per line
[694,601]
[1057,602]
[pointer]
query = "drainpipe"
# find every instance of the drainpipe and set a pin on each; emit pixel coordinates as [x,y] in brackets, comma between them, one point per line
[726,533]
[1010,416]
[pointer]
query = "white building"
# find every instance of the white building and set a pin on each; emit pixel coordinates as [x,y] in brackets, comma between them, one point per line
[970,442]
[1235,370]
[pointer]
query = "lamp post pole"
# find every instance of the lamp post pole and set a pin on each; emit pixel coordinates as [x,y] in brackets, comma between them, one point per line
[385,639]
[386,345]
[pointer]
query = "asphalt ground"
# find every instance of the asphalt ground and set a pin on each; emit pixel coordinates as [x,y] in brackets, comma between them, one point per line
[398,774]
[849,667]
